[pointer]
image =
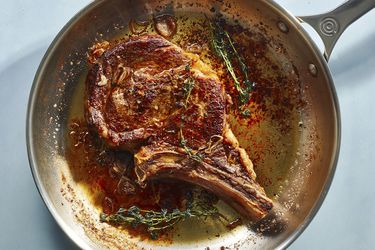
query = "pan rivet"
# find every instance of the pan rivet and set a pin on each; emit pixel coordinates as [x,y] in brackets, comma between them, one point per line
[313,70]
[283,27]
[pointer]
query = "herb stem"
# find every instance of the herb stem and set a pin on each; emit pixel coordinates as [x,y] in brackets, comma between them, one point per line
[225,49]
[196,156]
[189,84]
[158,221]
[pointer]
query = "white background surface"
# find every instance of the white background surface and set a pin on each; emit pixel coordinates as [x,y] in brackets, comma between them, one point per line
[345,221]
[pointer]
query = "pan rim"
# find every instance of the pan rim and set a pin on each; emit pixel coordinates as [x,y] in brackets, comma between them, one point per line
[76,238]
[72,235]
[335,156]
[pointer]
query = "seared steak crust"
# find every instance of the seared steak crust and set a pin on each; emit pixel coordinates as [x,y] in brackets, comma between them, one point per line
[222,170]
[148,96]
[130,91]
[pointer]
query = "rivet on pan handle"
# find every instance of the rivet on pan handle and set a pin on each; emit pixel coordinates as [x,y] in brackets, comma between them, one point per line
[332,24]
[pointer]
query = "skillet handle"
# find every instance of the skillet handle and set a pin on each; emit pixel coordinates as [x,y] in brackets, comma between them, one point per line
[332,24]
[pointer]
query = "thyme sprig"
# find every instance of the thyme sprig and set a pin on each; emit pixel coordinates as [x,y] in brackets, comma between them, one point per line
[194,155]
[188,86]
[155,221]
[245,113]
[224,47]
[200,154]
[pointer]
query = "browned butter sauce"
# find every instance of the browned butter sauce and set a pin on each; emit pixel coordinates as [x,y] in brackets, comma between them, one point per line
[268,134]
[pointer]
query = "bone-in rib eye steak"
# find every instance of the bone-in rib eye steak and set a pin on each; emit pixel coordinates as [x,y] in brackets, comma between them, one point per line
[148,96]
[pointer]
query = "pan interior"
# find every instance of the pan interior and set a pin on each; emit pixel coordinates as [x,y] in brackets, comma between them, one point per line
[294,157]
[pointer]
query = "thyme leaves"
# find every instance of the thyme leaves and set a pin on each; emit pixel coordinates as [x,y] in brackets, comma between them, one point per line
[223,46]
[187,88]
[189,84]
[194,155]
[200,154]
[245,113]
[156,221]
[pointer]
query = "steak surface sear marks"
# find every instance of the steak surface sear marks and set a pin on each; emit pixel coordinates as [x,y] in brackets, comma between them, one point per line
[148,96]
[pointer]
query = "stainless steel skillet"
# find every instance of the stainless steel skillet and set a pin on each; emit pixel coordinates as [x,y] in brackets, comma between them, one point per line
[312,159]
